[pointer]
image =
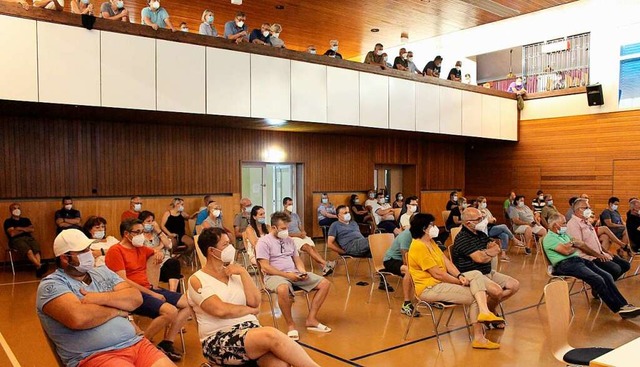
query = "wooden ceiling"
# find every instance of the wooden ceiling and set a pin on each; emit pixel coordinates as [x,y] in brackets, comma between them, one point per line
[307,22]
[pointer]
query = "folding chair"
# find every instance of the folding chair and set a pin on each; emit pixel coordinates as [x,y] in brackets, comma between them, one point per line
[344,257]
[9,252]
[379,244]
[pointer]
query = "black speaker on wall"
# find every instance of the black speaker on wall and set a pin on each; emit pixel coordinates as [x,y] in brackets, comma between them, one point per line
[594,95]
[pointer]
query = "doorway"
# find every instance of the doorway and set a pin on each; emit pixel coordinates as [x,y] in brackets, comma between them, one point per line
[266,184]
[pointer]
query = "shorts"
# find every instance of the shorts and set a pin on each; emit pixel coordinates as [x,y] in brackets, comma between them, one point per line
[523,227]
[272,282]
[393,266]
[226,347]
[150,306]
[23,244]
[143,353]
[299,242]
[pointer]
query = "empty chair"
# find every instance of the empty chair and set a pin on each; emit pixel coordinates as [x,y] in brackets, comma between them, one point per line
[379,244]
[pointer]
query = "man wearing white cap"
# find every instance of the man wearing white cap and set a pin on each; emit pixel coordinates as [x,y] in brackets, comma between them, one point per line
[84,310]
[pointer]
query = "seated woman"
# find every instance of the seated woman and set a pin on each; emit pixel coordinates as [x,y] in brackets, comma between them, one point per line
[436,279]
[170,271]
[173,224]
[525,222]
[96,228]
[326,211]
[490,228]
[409,208]
[455,216]
[275,40]
[214,219]
[360,214]
[256,229]
[225,301]
[399,203]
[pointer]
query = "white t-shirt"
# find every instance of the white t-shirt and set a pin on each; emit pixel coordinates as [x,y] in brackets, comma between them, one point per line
[371,203]
[233,293]
[405,221]
[110,241]
[377,217]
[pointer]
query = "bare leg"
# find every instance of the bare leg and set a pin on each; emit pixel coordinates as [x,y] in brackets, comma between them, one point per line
[181,318]
[270,360]
[173,284]
[262,341]
[168,313]
[284,301]
[35,259]
[318,299]
[311,250]
[527,237]
[188,241]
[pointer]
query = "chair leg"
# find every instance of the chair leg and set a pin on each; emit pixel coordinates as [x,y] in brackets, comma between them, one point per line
[465,310]
[182,285]
[184,348]
[371,291]
[346,267]
[13,269]
[273,312]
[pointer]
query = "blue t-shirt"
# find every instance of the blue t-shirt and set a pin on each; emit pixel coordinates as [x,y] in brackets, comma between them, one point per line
[230,28]
[402,242]
[75,345]
[158,17]
[345,233]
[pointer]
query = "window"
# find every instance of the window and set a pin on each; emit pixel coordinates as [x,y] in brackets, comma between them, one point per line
[629,90]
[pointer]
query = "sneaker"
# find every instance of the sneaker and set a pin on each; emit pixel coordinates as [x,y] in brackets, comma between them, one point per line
[169,351]
[407,309]
[627,307]
[527,251]
[389,287]
[628,312]
[328,268]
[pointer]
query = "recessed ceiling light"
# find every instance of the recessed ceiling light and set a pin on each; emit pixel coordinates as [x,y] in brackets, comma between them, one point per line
[280,7]
[375,30]
[275,122]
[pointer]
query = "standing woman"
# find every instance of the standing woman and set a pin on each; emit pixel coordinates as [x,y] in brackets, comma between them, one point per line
[275,40]
[173,224]
[170,271]
[226,301]
[256,229]
[206,27]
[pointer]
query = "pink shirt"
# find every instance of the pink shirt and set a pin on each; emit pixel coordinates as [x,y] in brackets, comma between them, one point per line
[581,230]
[279,252]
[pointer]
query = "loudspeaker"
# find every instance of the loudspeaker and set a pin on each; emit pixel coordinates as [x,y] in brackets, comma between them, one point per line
[594,95]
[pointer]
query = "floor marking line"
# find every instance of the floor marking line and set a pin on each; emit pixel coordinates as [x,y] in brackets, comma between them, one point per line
[9,352]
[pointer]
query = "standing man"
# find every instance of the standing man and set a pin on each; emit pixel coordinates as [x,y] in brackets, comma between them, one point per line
[135,208]
[19,232]
[433,67]
[67,217]
[333,49]
[400,62]
[376,57]
[455,74]
[156,16]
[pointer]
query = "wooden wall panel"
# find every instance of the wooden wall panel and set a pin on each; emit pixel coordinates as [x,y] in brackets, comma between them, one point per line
[593,154]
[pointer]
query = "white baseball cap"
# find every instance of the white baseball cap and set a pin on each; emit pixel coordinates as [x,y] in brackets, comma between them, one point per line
[70,240]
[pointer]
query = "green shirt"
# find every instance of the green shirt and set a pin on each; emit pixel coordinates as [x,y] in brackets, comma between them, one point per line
[506,205]
[402,242]
[551,241]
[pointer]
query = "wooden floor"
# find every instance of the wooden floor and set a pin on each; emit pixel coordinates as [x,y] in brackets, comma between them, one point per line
[372,334]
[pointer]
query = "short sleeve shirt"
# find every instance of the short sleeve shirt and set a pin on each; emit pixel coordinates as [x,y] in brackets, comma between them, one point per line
[158,17]
[207,29]
[13,223]
[329,208]
[257,34]
[455,72]
[230,28]
[295,224]
[373,58]
[75,345]
[241,221]
[548,211]
[455,212]
[524,214]
[550,242]
[421,258]
[345,233]
[583,231]
[465,244]
[401,61]
[279,252]
[129,215]
[106,8]
[67,214]
[400,243]
[132,261]
[431,66]
[613,215]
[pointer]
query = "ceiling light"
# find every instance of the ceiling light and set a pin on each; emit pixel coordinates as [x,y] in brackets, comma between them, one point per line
[236,2]
[493,8]
[275,122]
[404,37]
[280,7]
[375,30]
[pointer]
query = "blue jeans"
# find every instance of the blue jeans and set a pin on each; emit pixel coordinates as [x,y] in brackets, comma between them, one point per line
[503,233]
[601,281]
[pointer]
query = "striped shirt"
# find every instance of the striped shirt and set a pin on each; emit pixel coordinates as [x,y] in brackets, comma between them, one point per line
[465,244]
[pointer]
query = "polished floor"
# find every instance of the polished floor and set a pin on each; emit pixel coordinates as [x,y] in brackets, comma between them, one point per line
[371,334]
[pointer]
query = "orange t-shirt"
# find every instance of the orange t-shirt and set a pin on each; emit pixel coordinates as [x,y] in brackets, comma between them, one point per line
[129,215]
[132,261]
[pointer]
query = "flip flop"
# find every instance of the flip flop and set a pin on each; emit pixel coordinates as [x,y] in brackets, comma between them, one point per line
[293,335]
[320,328]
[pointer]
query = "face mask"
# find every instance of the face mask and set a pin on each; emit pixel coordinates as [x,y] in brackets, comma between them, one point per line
[385,58]
[16,212]
[120,4]
[550,202]
[334,48]
[434,232]
[482,226]
[155,5]
[68,207]
[312,51]
[562,230]
[614,207]
[455,198]
[228,255]
[138,240]
[283,234]
[356,201]
[458,68]
[521,204]
[325,200]
[379,52]
[464,206]
[587,213]
[209,18]
[400,197]
[180,208]
[216,213]
[275,35]
[86,261]
[347,217]
[137,207]
[381,201]
[240,24]
[410,58]
[185,29]
[247,209]
[262,220]
[265,33]
[98,235]
[540,197]
[411,208]
[85,1]
[483,205]
[518,83]
[148,227]
[404,56]
[289,208]
[371,196]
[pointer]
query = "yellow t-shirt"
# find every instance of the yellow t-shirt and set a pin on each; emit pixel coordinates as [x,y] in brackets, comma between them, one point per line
[421,258]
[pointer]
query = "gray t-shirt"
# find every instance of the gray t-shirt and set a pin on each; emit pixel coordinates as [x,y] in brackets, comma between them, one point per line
[208,30]
[241,222]
[106,8]
[345,233]
[294,225]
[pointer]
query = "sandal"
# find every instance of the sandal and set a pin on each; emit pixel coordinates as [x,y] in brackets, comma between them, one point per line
[293,335]
[320,328]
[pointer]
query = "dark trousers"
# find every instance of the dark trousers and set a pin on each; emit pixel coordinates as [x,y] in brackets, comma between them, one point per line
[388,225]
[615,267]
[597,278]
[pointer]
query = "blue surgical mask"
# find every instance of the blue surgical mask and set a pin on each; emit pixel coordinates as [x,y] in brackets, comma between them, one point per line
[120,4]
[85,2]
[86,262]
[562,230]
[148,227]
[262,220]
[210,18]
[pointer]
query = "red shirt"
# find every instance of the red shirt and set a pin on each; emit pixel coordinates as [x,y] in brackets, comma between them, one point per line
[132,261]
[129,215]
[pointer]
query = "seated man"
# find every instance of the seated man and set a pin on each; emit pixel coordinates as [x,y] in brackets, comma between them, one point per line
[633,224]
[19,233]
[284,270]
[214,219]
[241,220]
[474,250]
[562,251]
[114,10]
[525,222]
[236,30]
[548,210]
[156,16]
[261,36]
[580,229]
[383,215]
[169,309]
[84,310]
[302,241]
[611,218]
[538,202]
[203,212]
[326,211]
[395,262]
[67,217]
[345,237]
[135,208]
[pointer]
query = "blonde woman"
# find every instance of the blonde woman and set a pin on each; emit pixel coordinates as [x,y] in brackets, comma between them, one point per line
[275,40]
[206,27]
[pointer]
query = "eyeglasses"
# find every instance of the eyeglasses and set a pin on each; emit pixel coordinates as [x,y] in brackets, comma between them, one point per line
[135,233]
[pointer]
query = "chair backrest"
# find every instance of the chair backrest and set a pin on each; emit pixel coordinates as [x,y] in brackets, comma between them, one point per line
[153,271]
[192,226]
[547,262]
[379,244]
[251,251]
[396,213]
[201,258]
[556,295]
[445,216]
[454,233]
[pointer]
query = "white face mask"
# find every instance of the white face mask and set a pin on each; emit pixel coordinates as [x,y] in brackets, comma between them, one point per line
[434,231]
[247,209]
[289,208]
[334,48]
[98,235]
[614,207]
[283,234]
[228,255]
[155,5]
[180,208]
[379,52]
[356,201]
[410,58]
[458,68]
[464,205]
[325,200]
[137,207]
[16,212]
[482,226]
[138,240]
[372,195]
[455,198]
[483,205]
[68,207]
[411,208]
[239,24]
[86,261]
[541,197]
[216,213]
[381,201]
[275,35]
[521,204]
[265,33]
[312,51]
[404,55]
[400,197]
[184,29]
[347,217]
[587,213]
